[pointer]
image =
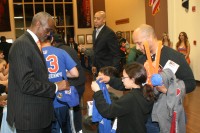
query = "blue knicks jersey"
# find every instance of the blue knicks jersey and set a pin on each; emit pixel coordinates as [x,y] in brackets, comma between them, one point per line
[58,62]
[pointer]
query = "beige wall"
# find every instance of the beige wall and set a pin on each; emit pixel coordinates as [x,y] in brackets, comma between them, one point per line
[180,20]
[10,34]
[120,9]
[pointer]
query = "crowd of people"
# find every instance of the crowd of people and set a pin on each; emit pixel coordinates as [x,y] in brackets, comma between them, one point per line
[43,70]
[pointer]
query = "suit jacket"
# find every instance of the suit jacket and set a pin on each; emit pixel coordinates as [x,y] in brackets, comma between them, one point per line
[106,49]
[30,99]
[75,46]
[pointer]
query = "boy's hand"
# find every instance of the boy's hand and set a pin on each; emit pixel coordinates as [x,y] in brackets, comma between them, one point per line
[95,86]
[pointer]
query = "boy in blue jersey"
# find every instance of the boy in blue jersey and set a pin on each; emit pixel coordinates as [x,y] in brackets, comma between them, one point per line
[60,65]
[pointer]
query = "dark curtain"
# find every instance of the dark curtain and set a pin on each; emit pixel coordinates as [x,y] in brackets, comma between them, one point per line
[4,16]
[84,13]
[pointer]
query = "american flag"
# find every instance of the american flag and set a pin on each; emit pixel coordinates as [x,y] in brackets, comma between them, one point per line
[155,6]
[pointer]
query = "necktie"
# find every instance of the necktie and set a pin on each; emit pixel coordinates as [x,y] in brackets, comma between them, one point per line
[39,45]
[71,45]
[97,32]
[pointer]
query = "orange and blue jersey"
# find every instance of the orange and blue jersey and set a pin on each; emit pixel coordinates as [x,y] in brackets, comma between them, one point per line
[58,62]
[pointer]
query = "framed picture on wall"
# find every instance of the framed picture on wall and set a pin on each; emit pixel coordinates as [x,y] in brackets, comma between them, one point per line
[123,34]
[81,39]
[89,38]
[128,36]
[132,37]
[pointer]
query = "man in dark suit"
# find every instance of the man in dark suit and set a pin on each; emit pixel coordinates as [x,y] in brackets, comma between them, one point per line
[30,99]
[105,45]
[72,44]
[5,47]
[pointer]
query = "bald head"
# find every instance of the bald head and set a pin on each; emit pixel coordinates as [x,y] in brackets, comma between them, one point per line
[146,31]
[99,19]
[101,13]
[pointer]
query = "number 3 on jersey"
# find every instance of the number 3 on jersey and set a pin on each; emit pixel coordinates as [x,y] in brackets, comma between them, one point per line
[53,60]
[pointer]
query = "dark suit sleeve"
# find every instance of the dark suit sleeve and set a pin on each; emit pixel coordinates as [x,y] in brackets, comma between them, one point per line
[115,109]
[28,70]
[114,49]
[184,71]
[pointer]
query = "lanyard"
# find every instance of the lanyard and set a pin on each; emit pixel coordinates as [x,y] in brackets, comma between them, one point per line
[152,69]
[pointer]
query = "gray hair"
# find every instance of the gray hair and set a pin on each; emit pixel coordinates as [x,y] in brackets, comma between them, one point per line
[43,17]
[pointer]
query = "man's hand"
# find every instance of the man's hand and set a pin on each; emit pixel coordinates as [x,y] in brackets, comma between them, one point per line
[103,78]
[3,103]
[81,48]
[94,70]
[3,97]
[162,89]
[63,85]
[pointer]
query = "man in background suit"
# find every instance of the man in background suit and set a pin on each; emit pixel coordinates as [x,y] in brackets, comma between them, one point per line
[30,99]
[72,44]
[5,47]
[105,45]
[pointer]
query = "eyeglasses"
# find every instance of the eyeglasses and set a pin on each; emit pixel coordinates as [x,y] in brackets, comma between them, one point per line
[124,78]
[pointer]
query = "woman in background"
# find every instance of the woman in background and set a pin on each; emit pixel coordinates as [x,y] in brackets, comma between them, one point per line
[183,46]
[166,41]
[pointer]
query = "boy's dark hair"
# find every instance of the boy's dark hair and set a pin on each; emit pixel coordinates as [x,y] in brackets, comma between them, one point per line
[118,33]
[56,37]
[123,40]
[109,71]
